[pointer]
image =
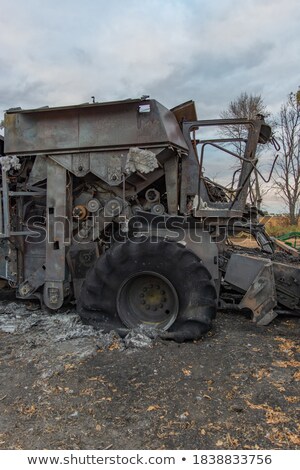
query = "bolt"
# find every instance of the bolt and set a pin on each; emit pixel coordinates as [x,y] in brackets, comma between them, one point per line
[147,307]
[162,292]
[157,286]
[143,302]
[142,295]
[154,308]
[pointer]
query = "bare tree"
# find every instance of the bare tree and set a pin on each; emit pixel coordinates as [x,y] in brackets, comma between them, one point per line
[287,169]
[245,106]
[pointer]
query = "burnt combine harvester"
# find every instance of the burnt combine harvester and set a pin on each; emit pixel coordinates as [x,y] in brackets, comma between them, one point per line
[107,204]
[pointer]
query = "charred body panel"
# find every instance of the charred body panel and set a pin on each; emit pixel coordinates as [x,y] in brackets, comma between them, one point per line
[123,124]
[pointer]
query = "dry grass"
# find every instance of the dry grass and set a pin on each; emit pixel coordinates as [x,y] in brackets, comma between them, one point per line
[275,226]
[278,230]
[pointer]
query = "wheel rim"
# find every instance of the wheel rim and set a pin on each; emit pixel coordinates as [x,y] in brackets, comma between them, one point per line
[147,298]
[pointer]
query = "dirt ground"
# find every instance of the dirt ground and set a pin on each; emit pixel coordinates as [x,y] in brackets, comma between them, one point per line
[66,386]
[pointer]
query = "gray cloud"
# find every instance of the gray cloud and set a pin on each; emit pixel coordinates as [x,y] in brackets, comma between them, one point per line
[63,52]
[176,49]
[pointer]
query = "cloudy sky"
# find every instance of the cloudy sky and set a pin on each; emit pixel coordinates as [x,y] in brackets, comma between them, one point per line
[62,52]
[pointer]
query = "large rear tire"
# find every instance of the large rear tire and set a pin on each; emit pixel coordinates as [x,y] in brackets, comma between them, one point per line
[150,282]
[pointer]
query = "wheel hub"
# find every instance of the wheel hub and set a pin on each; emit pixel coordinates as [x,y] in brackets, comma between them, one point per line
[147,298]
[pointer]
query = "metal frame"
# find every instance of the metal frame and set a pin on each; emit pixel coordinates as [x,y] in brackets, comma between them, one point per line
[192,167]
[5,223]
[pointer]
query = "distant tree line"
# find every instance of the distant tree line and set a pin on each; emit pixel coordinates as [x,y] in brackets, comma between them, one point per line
[286,127]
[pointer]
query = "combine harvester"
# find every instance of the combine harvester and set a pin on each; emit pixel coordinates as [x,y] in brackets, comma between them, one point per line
[107,204]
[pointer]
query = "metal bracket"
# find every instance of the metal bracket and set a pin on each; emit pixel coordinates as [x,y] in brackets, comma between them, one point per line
[32,283]
[254,276]
[261,296]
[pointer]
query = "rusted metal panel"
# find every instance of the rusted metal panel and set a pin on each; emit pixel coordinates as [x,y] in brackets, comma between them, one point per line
[171,175]
[185,111]
[57,235]
[243,269]
[287,278]
[254,276]
[95,126]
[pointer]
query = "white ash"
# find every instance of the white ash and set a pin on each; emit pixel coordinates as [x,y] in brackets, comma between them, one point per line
[141,337]
[143,161]
[10,162]
[54,342]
